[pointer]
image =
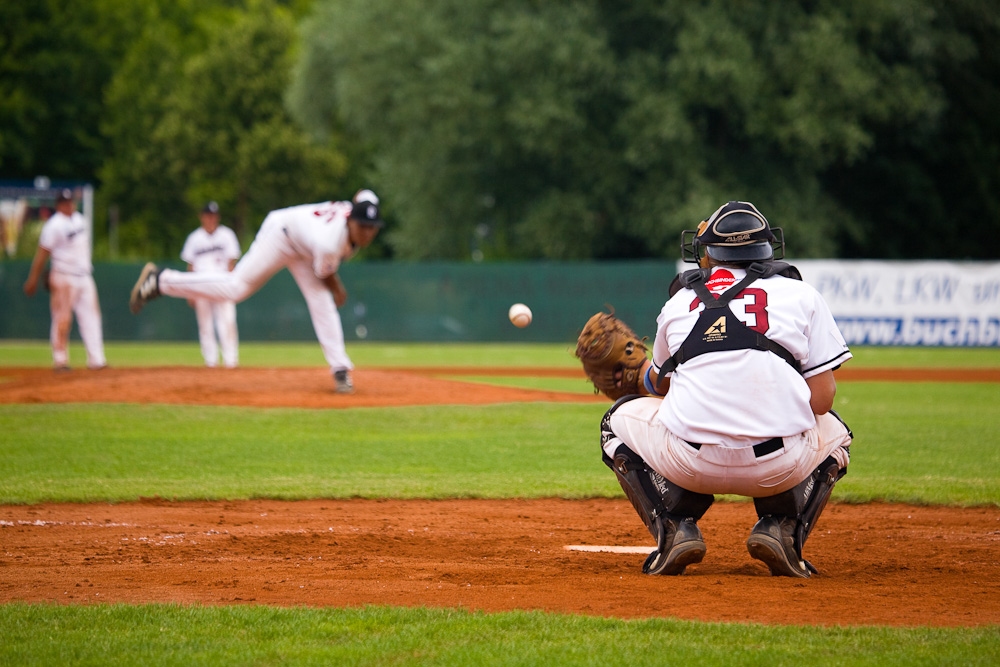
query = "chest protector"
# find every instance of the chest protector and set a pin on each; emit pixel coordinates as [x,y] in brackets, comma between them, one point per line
[717,328]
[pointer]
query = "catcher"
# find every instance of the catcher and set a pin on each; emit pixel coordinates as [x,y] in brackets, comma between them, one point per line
[747,351]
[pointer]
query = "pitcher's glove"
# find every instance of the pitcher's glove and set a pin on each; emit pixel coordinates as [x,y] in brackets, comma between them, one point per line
[612,355]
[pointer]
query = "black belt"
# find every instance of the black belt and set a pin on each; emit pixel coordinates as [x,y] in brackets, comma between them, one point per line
[759,450]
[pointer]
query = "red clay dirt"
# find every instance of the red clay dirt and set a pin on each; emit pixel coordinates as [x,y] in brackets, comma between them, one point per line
[881,564]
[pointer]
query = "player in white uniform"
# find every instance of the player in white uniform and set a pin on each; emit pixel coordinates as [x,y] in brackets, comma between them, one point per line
[214,248]
[311,241]
[65,238]
[745,410]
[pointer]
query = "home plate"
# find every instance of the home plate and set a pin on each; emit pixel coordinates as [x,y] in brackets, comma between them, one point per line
[608,548]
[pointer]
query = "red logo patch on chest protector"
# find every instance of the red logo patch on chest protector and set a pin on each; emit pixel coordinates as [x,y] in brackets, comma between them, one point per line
[755,306]
[720,281]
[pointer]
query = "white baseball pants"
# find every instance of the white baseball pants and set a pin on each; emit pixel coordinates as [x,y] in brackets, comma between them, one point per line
[269,253]
[217,329]
[714,469]
[77,295]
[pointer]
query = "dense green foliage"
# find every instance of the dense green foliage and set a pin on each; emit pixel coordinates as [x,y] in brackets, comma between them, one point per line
[215,128]
[582,128]
[164,105]
[56,57]
[518,129]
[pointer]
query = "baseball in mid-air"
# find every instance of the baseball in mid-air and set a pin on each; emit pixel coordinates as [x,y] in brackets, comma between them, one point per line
[520,315]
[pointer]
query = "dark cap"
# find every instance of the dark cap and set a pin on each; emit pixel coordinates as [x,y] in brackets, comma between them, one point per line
[64,195]
[737,232]
[210,207]
[367,213]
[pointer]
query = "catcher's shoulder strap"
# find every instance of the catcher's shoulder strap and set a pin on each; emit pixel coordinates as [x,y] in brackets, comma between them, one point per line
[682,280]
[717,328]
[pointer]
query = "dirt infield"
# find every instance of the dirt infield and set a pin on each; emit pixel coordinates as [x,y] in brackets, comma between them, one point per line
[264,387]
[881,564]
[312,387]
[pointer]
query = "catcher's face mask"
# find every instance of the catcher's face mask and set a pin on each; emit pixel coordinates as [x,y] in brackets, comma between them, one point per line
[736,232]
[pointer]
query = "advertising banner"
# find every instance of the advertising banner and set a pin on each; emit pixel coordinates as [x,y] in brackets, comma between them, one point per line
[932,303]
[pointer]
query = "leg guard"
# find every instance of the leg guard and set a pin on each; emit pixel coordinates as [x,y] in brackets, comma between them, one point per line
[787,519]
[606,433]
[669,512]
[850,433]
[650,493]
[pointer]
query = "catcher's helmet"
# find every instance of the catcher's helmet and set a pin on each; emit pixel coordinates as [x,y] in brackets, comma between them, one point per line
[736,232]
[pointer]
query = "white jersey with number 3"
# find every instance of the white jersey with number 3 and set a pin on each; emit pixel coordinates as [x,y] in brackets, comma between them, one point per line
[742,397]
[311,241]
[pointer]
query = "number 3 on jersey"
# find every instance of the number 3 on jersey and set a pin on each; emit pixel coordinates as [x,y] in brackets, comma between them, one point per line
[754,305]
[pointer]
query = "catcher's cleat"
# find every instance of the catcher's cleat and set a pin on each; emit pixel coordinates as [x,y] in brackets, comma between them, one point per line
[342,380]
[146,288]
[772,541]
[681,546]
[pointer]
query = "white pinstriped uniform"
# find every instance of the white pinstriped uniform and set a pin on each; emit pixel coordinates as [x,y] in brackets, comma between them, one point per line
[311,241]
[72,288]
[207,253]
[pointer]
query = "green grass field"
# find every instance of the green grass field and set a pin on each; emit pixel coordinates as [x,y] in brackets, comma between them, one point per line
[553,355]
[175,635]
[930,443]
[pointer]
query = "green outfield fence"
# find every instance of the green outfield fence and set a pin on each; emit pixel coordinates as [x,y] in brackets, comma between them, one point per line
[389,301]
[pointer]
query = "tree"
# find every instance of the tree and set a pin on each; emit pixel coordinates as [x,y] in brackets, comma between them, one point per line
[136,174]
[931,190]
[201,116]
[589,128]
[56,56]
[459,129]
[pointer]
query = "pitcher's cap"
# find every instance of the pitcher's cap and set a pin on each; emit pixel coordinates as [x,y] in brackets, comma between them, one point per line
[367,213]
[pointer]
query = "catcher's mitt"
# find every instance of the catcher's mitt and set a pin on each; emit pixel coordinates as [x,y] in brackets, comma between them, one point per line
[609,348]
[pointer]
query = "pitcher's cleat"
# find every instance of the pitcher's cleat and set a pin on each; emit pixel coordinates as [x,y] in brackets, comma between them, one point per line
[146,288]
[342,380]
